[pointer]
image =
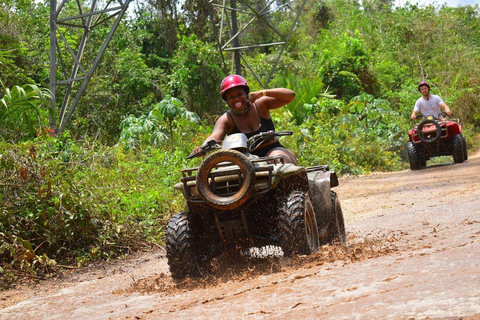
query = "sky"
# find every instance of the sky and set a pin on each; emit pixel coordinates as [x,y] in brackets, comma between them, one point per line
[449,3]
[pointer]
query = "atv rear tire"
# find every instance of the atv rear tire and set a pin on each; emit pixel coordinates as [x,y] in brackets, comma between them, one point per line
[465,152]
[414,156]
[420,132]
[297,229]
[336,229]
[180,243]
[457,148]
[203,179]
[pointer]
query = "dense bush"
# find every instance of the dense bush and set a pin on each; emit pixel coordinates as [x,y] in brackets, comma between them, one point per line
[76,203]
[196,75]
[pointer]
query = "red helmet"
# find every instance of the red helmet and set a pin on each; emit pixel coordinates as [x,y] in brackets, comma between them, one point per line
[423,83]
[233,81]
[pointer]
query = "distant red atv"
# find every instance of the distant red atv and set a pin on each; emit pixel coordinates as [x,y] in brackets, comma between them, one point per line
[433,137]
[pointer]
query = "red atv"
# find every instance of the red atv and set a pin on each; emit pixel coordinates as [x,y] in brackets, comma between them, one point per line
[434,137]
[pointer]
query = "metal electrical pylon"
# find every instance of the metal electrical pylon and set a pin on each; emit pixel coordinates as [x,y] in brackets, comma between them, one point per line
[76,77]
[233,43]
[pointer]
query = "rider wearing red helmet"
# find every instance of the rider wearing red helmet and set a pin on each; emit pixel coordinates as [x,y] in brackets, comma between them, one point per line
[250,114]
[235,81]
[429,104]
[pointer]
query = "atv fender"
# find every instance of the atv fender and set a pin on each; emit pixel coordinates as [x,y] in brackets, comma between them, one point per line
[285,170]
[320,183]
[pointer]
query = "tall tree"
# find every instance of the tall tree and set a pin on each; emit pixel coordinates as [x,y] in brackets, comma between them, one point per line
[169,21]
[202,19]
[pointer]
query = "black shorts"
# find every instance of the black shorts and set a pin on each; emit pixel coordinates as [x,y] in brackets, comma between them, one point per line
[262,152]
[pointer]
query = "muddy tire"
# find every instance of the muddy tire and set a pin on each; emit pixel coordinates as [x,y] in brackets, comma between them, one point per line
[203,180]
[420,132]
[297,229]
[180,244]
[414,156]
[457,148]
[465,152]
[336,229]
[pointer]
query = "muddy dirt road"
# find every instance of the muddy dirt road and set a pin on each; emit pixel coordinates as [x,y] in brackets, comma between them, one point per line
[413,253]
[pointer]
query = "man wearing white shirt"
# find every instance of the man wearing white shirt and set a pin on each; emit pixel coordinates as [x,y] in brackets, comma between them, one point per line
[429,104]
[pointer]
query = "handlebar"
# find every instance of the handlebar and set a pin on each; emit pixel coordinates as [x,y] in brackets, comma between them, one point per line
[270,134]
[210,145]
[440,115]
[266,136]
[252,141]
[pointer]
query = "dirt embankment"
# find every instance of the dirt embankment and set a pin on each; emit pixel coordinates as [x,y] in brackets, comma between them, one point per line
[413,253]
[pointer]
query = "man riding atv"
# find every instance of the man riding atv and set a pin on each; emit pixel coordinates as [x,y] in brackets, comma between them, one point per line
[428,104]
[436,135]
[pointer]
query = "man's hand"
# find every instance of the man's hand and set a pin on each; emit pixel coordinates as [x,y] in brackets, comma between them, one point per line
[446,109]
[415,115]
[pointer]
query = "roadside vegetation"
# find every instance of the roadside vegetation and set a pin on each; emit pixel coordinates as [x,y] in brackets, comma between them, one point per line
[104,187]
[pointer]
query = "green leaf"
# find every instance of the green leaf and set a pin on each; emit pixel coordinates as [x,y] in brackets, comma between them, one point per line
[26,244]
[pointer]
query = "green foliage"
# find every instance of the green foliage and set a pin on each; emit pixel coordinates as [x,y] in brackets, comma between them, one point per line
[160,125]
[196,75]
[343,65]
[334,133]
[365,106]
[133,77]
[73,203]
[24,111]
[346,149]
[138,133]
[15,55]
[306,92]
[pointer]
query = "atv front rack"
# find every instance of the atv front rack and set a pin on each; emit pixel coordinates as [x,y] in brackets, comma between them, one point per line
[227,181]
[428,132]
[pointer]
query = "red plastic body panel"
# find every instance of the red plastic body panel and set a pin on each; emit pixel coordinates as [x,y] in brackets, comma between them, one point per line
[449,128]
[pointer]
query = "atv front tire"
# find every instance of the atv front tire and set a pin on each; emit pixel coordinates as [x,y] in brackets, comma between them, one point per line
[414,156]
[457,148]
[297,229]
[180,246]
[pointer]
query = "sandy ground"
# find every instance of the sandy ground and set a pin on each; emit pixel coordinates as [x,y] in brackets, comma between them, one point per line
[413,252]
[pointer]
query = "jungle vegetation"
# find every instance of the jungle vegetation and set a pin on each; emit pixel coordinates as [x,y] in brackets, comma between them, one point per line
[104,187]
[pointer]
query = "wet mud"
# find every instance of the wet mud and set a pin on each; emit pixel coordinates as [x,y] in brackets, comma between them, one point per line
[412,252]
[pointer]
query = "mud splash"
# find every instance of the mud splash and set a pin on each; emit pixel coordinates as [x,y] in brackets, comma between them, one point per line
[234,266]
